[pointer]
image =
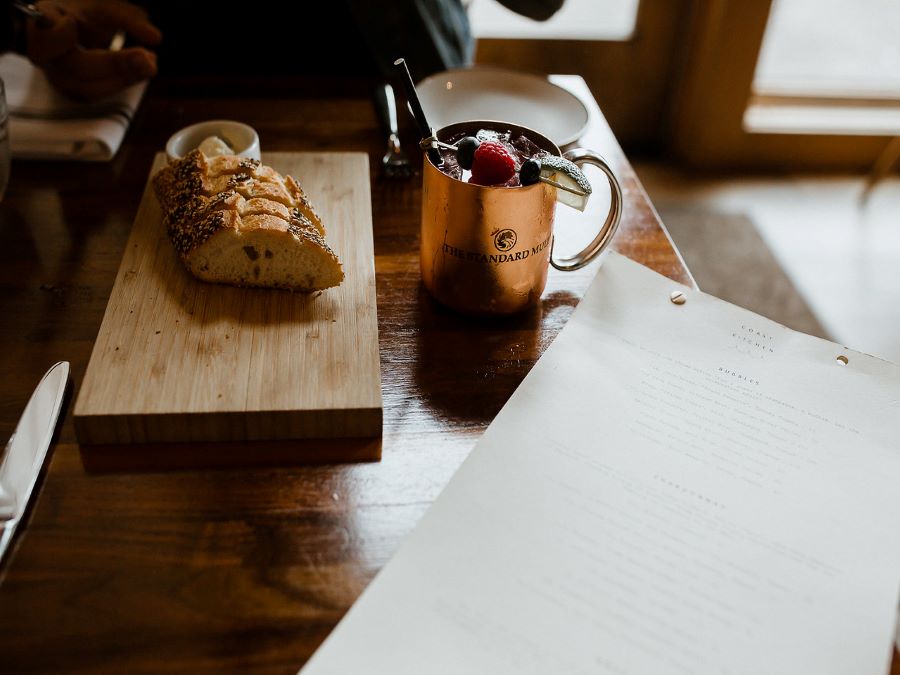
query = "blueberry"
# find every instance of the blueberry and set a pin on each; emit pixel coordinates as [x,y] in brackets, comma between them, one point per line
[530,172]
[465,151]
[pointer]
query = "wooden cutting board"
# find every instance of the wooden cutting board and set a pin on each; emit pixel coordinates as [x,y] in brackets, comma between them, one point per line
[178,359]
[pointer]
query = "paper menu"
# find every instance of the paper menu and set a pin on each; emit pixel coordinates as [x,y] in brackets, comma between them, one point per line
[672,489]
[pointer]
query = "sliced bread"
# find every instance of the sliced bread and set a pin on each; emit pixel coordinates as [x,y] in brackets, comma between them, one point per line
[235,221]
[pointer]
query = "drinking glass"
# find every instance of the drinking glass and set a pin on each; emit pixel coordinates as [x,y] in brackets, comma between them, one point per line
[4,141]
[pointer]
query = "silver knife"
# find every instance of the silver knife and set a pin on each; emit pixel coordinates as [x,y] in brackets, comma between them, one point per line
[27,449]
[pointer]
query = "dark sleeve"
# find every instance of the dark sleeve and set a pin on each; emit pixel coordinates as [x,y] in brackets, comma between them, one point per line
[6,26]
[12,29]
[539,10]
[432,35]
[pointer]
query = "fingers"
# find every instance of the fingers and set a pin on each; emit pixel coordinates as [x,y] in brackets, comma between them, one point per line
[96,73]
[87,73]
[97,64]
[130,18]
[98,22]
[58,37]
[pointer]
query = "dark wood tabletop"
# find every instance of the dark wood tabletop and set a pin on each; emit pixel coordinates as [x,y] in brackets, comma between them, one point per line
[215,559]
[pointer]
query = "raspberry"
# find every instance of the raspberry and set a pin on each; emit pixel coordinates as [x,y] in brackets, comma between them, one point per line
[493,164]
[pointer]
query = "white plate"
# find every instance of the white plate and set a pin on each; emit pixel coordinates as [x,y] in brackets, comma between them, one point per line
[505,95]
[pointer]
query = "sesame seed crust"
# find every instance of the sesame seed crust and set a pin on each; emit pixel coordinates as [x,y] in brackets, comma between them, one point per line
[201,197]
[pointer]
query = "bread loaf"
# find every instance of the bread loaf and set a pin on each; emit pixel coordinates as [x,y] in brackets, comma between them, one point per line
[235,221]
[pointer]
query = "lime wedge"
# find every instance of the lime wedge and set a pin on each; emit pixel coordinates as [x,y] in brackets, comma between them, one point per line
[572,186]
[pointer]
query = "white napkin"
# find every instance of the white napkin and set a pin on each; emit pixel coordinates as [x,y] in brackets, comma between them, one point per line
[45,124]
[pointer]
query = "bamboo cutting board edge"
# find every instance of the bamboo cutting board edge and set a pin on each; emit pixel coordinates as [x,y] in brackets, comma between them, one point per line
[160,321]
[231,427]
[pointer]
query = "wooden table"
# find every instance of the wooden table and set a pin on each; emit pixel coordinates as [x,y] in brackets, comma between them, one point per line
[182,561]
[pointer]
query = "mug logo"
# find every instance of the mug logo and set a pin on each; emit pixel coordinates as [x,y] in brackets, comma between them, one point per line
[504,240]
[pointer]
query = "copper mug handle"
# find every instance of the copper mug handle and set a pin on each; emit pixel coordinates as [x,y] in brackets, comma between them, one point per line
[601,241]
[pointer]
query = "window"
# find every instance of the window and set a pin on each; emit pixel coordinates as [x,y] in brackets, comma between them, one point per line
[828,67]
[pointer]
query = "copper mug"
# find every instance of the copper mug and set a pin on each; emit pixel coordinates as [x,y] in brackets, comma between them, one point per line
[487,250]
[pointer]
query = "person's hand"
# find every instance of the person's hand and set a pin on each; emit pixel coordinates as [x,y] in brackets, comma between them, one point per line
[73,52]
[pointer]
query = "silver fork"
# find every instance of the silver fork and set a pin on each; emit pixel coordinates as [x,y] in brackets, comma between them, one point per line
[395,163]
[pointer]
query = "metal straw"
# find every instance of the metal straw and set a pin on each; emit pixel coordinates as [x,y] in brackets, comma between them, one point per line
[419,114]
